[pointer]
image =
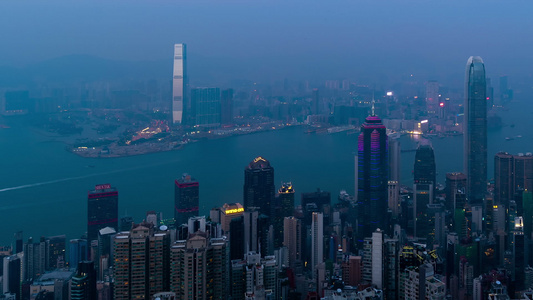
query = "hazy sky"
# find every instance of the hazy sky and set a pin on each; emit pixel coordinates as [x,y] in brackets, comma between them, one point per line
[282,38]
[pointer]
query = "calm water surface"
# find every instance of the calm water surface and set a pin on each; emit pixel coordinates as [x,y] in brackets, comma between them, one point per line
[43,188]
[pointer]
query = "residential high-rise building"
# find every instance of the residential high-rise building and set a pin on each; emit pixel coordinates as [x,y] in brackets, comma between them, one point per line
[292,239]
[475,130]
[205,103]
[352,270]
[179,85]
[141,262]
[226,113]
[259,187]
[394,198]
[420,283]
[372,177]
[199,267]
[186,199]
[102,210]
[317,240]
[55,252]
[377,258]
[34,259]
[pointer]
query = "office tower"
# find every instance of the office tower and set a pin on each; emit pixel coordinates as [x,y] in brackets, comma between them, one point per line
[237,238]
[317,240]
[315,103]
[125,223]
[372,176]
[503,178]
[505,93]
[186,198]
[512,175]
[523,171]
[56,252]
[83,283]
[102,210]
[286,199]
[490,94]
[77,252]
[179,85]
[422,197]
[11,276]
[226,113]
[520,253]
[424,168]
[292,239]
[259,187]
[104,255]
[475,130]
[454,182]
[205,103]
[227,213]
[527,199]
[432,97]
[199,267]
[141,262]
[18,242]
[394,198]
[394,159]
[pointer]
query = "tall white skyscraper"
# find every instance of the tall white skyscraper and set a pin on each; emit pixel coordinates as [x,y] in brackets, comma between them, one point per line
[317,240]
[179,84]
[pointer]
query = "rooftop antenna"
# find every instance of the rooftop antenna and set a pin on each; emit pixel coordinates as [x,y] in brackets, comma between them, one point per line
[373,104]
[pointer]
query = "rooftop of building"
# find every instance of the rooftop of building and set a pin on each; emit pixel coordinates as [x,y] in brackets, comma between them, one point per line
[258,163]
[186,178]
[57,274]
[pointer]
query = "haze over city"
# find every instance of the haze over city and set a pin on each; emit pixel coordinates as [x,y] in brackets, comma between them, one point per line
[373,41]
[259,150]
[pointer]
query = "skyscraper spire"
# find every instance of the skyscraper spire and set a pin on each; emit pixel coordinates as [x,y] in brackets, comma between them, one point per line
[373,105]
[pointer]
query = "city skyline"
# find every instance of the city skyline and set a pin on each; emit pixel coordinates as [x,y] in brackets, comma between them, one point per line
[439,206]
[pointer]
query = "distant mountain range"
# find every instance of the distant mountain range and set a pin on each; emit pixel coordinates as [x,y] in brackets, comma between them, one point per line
[82,68]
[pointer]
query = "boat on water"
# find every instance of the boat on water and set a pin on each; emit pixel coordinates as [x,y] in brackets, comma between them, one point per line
[509,139]
[518,136]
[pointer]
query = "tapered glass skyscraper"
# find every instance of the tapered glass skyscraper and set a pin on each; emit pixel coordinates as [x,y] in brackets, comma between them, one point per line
[179,84]
[475,130]
[372,177]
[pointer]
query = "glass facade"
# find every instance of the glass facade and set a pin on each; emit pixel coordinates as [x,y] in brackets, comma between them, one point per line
[475,130]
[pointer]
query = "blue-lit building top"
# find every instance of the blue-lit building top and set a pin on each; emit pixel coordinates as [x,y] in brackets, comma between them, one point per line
[372,177]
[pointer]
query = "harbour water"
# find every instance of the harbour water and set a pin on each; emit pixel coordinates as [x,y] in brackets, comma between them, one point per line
[43,188]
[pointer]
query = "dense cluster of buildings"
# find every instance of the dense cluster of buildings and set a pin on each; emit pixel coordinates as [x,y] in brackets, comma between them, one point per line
[471,239]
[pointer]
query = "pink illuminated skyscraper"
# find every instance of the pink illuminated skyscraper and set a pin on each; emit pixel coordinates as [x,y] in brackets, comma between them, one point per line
[372,177]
